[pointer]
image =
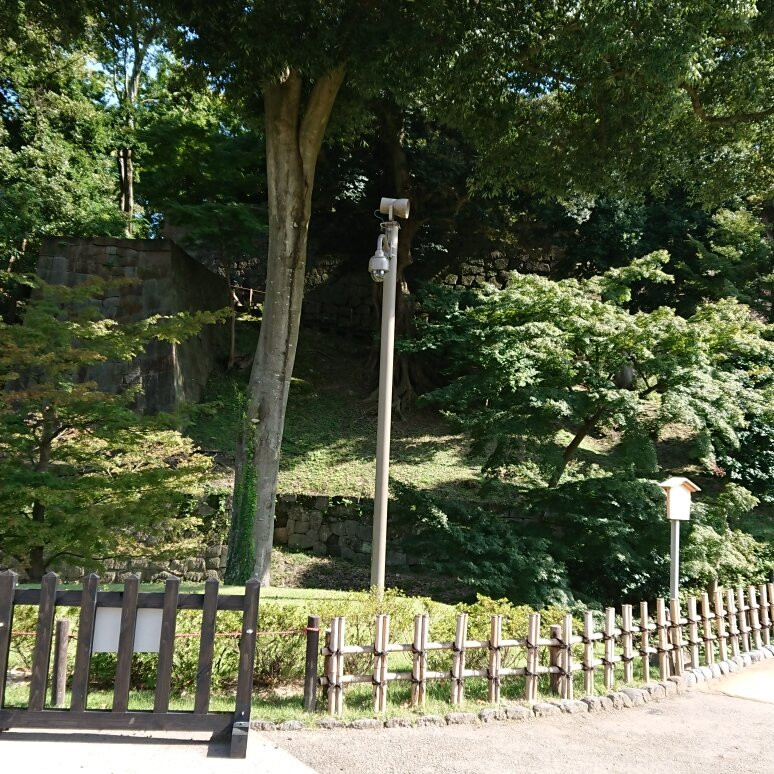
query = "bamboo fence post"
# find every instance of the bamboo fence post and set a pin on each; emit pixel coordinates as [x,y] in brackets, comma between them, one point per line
[744,627]
[340,669]
[419,665]
[720,620]
[755,621]
[733,627]
[458,660]
[693,632]
[565,684]
[765,620]
[627,641]
[588,653]
[770,595]
[327,665]
[331,639]
[706,628]
[609,639]
[381,638]
[533,634]
[495,659]
[554,633]
[644,641]
[663,647]
[677,636]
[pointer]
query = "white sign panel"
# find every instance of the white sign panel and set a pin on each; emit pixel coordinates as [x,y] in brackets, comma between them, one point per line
[107,626]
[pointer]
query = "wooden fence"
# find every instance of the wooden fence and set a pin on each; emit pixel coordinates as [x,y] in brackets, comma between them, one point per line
[714,628]
[160,718]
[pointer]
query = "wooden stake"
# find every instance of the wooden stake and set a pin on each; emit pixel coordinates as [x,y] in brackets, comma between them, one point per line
[565,662]
[755,621]
[533,634]
[495,659]
[419,661]
[693,632]
[733,627]
[765,620]
[554,658]
[720,622]
[588,653]
[706,627]
[458,660]
[676,632]
[378,657]
[770,596]
[644,641]
[663,639]
[340,668]
[627,642]
[59,677]
[744,626]
[609,638]
[332,638]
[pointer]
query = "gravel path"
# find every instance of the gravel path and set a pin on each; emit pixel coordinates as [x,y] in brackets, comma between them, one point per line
[708,729]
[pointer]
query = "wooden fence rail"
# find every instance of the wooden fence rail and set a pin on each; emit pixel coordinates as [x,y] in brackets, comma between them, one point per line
[131,600]
[713,629]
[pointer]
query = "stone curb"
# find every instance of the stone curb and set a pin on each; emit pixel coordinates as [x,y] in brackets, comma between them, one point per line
[615,700]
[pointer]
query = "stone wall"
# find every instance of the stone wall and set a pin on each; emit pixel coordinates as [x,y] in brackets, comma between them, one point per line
[167,281]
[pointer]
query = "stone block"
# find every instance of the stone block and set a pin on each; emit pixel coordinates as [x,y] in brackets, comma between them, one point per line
[330,723]
[212,564]
[297,540]
[491,714]
[715,671]
[619,700]
[337,527]
[363,724]
[723,667]
[545,709]
[320,502]
[669,687]
[755,656]
[732,666]
[320,549]
[460,718]
[291,725]
[597,703]
[262,725]
[212,551]
[572,706]
[638,697]
[315,519]
[364,532]
[212,574]
[425,721]
[654,690]
[280,536]
[396,558]
[746,660]
[517,712]
[398,723]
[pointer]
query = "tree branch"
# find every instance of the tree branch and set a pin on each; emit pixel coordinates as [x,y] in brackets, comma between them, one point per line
[736,118]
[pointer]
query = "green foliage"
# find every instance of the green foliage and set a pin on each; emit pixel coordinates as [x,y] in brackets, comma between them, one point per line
[751,464]
[716,550]
[544,356]
[81,474]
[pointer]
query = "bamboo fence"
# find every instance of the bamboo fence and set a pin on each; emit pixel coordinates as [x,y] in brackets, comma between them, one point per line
[715,628]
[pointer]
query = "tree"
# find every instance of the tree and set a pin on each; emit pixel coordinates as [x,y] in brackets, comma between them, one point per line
[546,356]
[83,476]
[298,72]
[54,171]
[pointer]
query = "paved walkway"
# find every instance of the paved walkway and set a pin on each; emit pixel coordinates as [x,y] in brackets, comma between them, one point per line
[723,726]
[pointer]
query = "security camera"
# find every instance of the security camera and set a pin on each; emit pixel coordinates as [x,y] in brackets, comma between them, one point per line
[379,264]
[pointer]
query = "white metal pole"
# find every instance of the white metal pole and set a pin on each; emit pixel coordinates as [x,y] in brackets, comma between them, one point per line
[379,545]
[674,565]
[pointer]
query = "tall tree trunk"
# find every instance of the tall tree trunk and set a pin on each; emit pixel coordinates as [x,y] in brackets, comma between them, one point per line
[294,134]
[570,450]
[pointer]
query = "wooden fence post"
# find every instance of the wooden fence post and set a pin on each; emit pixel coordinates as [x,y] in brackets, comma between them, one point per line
[381,639]
[588,653]
[627,642]
[733,626]
[59,676]
[41,655]
[693,631]
[8,581]
[495,659]
[765,620]
[720,621]
[458,660]
[744,626]
[419,661]
[770,596]
[555,633]
[706,628]
[609,639]
[755,621]
[246,667]
[335,698]
[644,641]
[676,632]
[663,646]
[310,663]
[565,659]
[533,635]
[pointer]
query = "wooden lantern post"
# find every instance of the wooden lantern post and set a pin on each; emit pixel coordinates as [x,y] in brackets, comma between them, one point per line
[678,492]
